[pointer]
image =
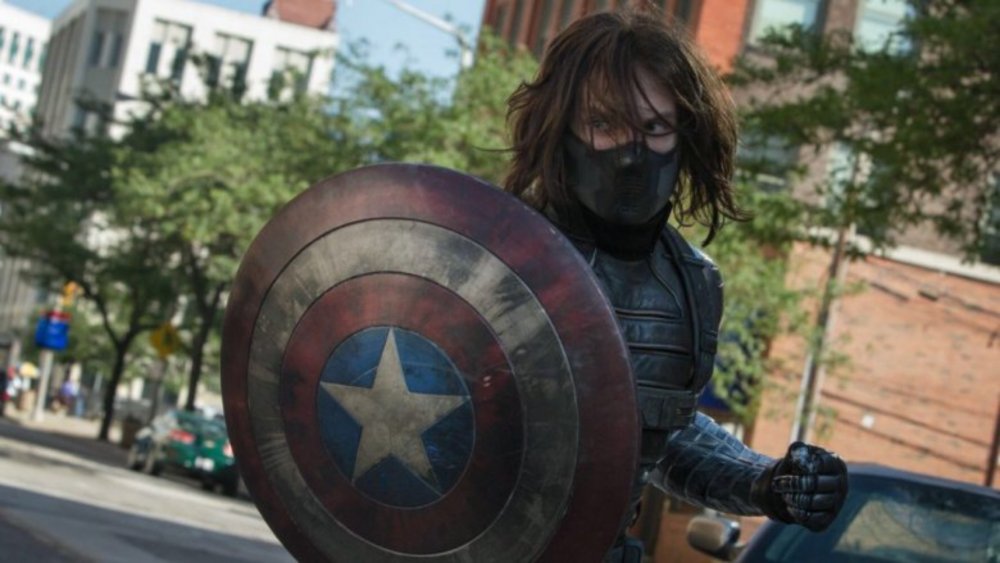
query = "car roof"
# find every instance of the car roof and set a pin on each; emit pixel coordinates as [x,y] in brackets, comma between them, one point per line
[876,470]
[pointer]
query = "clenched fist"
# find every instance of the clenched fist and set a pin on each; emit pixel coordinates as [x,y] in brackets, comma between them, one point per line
[807,486]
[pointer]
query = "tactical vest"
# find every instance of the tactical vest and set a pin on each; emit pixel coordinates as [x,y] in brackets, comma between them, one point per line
[669,307]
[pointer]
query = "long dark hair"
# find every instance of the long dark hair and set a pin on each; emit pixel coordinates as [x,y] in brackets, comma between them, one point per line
[599,56]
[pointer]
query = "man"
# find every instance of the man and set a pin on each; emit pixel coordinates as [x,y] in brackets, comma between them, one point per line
[624,125]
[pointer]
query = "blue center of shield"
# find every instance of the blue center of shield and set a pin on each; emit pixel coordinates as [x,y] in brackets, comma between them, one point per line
[396,416]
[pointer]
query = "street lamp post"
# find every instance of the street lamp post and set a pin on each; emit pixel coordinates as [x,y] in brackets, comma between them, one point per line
[451,29]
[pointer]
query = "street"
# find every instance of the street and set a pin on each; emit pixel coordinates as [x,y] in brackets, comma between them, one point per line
[65,497]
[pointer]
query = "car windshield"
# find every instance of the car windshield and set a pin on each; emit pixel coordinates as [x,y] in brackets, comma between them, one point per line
[888,520]
[196,423]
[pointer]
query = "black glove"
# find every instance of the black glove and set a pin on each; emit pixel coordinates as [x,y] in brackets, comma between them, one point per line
[807,486]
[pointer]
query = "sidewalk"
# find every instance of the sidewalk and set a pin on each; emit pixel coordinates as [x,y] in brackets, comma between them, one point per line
[73,435]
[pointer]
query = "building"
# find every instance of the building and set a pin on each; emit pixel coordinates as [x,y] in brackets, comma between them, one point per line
[23,41]
[715,24]
[723,28]
[917,391]
[103,53]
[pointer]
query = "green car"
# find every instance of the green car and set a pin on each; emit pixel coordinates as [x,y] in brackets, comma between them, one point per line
[189,443]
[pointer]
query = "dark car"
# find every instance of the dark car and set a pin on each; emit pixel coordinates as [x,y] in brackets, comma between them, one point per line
[190,443]
[889,516]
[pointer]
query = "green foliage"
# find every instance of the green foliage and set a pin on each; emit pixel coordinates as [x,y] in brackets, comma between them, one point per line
[919,118]
[413,118]
[911,129]
[758,305]
[182,187]
[63,216]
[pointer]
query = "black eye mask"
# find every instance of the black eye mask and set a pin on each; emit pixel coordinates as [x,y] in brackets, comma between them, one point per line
[624,185]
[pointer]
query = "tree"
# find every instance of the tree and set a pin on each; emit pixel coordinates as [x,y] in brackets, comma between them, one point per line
[914,123]
[226,169]
[62,216]
[758,305]
[917,119]
[417,118]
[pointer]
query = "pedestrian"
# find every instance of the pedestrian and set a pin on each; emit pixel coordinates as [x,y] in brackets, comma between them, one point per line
[625,126]
[68,394]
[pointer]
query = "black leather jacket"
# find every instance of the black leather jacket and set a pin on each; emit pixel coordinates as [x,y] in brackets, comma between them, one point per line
[669,307]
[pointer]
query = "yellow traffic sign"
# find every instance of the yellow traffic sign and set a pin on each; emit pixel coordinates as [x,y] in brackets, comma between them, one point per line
[165,340]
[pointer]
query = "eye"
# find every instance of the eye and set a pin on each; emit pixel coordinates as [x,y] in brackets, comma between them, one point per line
[599,124]
[657,128]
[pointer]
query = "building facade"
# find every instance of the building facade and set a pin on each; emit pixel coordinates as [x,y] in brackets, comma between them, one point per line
[23,43]
[715,24]
[103,53]
[722,28]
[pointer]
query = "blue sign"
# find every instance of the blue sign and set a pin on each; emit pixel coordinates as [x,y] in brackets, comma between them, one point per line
[52,331]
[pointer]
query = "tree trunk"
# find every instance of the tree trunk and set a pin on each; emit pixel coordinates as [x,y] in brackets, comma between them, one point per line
[207,321]
[121,350]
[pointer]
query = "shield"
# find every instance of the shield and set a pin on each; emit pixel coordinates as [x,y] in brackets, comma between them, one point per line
[419,367]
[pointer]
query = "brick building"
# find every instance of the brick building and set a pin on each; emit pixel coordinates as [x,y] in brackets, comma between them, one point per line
[919,389]
[717,25]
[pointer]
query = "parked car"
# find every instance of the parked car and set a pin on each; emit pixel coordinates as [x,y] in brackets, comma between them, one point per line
[889,516]
[190,443]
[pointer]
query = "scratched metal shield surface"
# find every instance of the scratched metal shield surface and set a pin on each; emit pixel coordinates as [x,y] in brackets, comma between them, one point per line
[418,367]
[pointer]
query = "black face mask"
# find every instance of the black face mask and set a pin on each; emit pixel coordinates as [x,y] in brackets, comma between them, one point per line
[628,185]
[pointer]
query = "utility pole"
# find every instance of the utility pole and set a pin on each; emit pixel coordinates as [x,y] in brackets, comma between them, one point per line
[991,463]
[451,29]
[812,377]
[806,416]
[51,337]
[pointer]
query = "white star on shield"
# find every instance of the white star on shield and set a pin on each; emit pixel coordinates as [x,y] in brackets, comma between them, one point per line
[392,418]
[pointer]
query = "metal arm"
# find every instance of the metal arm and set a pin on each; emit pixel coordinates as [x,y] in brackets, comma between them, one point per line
[707,466]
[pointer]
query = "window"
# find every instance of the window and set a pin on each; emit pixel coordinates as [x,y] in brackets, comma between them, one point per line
[291,72]
[79,118]
[777,14]
[878,23]
[543,28]
[847,169]
[15,45]
[515,26]
[106,45]
[3,38]
[684,10]
[766,161]
[171,42]
[841,169]
[29,51]
[96,49]
[41,58]
[228,66]
[501,20]
[20,84]
[116,50]
[565,13]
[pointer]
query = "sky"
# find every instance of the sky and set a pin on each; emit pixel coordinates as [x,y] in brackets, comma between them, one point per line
[376,21]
